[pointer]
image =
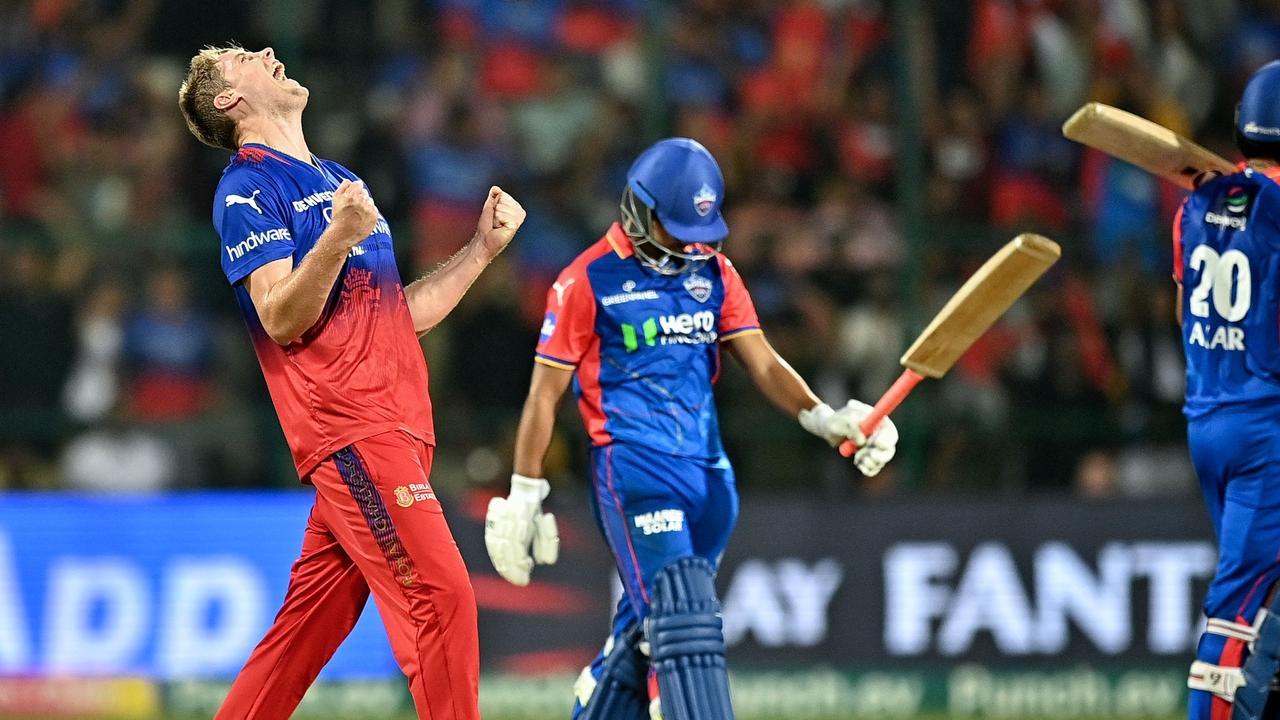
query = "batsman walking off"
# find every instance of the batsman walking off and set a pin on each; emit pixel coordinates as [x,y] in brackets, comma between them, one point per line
[637,322]
[312,265]
[1227,252]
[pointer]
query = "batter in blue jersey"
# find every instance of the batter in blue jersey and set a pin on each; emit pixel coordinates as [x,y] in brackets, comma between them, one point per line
[1227,265]
[636,323]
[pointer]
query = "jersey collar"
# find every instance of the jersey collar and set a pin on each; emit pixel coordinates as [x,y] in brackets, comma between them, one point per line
[619,241]
[257,152]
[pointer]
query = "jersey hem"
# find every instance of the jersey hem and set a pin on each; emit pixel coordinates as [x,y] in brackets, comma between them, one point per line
[309,464]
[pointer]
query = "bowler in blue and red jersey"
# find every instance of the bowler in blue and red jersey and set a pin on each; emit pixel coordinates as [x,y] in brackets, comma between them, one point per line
[312,266]
[636,323]
[1227,266]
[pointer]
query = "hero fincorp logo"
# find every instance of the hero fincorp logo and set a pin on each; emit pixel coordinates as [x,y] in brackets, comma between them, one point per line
[255,240]
[683,329]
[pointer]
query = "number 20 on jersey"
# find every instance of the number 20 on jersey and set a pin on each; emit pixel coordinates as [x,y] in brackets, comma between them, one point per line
[1224,292]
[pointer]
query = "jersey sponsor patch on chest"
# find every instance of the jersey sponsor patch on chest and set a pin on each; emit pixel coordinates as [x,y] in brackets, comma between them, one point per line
[660,521]
[680,329]
[628,294]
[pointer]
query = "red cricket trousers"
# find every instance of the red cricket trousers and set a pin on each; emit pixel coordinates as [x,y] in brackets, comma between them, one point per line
[376,525]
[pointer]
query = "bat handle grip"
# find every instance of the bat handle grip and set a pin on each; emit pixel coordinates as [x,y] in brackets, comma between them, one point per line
[887,403]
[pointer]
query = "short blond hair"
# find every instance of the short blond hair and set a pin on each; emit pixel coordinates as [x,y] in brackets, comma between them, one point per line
[204,82]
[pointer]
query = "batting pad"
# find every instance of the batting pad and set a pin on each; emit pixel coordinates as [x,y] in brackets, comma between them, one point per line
[621,692]
[686,642]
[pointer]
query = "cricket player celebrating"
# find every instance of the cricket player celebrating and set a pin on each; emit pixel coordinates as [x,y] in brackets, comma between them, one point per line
[336,334]
[637,322]
[1226,247]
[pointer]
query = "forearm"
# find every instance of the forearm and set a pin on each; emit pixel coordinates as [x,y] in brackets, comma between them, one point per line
[784,387]
[432,297]
[294,304]
[533,436]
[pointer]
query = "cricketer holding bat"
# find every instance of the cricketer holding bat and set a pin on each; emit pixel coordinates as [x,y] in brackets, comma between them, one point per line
[1227,252]
[336,333]
[636,322]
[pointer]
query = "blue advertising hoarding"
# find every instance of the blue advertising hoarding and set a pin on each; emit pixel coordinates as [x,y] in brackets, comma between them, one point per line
[179,586]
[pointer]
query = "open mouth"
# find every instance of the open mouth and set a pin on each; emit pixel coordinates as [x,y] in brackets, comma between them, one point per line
[278,73]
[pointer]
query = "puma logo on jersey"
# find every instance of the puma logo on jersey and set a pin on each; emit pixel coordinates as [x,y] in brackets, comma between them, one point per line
[251,201]
[560,289]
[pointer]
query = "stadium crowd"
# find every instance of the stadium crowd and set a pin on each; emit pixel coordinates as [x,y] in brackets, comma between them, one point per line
[123,366]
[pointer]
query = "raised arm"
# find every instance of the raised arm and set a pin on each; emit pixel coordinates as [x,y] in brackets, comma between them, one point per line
[290,300]
[432,297]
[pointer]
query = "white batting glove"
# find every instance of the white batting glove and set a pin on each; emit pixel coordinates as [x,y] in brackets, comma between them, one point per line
[836,426]
[517,533]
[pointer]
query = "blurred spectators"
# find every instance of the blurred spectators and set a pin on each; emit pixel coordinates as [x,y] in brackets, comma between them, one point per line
[121,335]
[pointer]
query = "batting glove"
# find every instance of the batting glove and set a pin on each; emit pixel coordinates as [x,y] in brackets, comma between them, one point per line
[836,426]
[517,533]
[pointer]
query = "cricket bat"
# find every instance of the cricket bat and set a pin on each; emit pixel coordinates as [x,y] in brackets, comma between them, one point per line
[1138,141]
[983,298]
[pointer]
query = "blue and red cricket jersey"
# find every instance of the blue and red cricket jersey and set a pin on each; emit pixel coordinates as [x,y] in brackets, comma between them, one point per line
[360,370]
[645,346]
[1227,257]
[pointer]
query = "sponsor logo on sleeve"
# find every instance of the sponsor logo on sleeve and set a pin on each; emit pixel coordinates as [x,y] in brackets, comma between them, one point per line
[254,241]
[251,201]
[559,289]
[548,327]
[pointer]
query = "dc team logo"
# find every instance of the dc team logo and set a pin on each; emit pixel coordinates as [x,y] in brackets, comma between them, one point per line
[548,327]
[699,287]
[704,200]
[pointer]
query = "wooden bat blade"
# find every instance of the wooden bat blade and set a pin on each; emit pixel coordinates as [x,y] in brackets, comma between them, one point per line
[1138,141]
[982,299]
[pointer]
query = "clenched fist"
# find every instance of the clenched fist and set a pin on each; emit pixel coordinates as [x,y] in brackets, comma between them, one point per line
[499,220]
[354,214]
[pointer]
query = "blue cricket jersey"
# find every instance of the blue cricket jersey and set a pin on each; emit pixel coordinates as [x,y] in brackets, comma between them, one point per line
[644,347]
[359,371]
[1227,255]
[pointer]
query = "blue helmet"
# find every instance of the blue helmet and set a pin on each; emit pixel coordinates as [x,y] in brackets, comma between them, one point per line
[1258,114]
[680,182]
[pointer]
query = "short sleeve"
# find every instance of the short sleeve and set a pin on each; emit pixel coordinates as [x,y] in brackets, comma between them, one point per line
[738,314]
[254,229]
[568,328]
[1177,241]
